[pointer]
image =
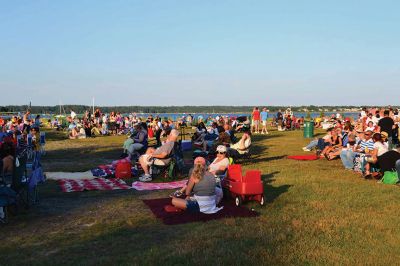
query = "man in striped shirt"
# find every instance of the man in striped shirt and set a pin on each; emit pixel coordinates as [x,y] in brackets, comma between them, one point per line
[365,146]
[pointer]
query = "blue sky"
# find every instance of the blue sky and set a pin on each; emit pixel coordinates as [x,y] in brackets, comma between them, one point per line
[200,52]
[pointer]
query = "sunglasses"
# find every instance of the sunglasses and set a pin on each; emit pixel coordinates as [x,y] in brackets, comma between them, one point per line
[221,152]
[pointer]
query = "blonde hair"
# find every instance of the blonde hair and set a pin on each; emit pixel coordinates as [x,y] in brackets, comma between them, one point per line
[198,171]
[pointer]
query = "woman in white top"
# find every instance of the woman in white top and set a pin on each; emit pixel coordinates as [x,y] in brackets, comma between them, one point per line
[221,163]
[371,127]
[379,149]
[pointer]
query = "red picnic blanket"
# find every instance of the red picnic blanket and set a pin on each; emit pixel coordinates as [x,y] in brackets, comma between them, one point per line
[71,185]
[304,157]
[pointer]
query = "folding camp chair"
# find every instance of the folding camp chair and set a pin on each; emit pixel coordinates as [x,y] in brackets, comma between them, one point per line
[42,143]
[7,196]
[26,177]
[169,170]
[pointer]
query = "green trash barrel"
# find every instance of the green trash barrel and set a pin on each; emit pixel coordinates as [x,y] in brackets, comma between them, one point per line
[308,129]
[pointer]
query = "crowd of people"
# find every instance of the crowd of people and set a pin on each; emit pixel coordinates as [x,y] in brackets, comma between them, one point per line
[369,144]
[97,124]
[24,128]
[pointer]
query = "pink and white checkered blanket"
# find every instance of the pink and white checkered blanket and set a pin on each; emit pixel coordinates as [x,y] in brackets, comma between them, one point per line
[158,186]
[72,185]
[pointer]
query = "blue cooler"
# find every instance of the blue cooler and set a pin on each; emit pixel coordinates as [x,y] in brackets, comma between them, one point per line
[186,145]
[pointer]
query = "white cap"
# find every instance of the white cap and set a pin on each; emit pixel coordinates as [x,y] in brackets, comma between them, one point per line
[221,148]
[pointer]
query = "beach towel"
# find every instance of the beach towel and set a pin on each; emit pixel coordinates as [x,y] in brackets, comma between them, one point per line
[157,206]
[158,186]
[71,185]
[69,175]
[304,157]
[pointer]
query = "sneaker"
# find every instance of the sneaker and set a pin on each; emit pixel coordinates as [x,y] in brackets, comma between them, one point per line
[145,178]
[176,194]
[305,149]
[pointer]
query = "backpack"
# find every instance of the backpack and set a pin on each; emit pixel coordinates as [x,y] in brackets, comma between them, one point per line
[123,170]
[390,178]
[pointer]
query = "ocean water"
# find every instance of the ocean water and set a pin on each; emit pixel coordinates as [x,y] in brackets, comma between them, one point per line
[176,116]
[270,115]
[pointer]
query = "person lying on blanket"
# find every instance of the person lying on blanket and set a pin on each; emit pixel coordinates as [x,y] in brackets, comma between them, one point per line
[159,156]
[200,192]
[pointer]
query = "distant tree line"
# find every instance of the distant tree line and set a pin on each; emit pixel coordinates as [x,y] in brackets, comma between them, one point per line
[162,109]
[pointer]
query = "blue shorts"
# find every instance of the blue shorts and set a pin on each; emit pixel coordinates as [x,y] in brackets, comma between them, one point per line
[192,206]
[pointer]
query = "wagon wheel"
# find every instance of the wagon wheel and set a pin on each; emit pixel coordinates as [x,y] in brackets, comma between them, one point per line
[262,200]
[238,201]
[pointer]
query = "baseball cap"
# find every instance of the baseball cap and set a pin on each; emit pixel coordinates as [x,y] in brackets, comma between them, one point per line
[221,148]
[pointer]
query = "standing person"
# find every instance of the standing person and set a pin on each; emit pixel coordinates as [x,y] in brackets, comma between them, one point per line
[386,124]
[73,115]
[256,120]
[264,119]
[279,119]
[27,121]
[159,129]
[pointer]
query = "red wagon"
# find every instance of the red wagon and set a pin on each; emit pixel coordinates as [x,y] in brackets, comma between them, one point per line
[247,187]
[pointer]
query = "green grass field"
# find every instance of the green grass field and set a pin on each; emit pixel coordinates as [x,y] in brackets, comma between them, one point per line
[316,213]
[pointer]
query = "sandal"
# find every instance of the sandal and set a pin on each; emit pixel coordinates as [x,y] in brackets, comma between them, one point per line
[170,208]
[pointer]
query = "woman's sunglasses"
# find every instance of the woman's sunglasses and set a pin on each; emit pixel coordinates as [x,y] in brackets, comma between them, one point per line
[221,152]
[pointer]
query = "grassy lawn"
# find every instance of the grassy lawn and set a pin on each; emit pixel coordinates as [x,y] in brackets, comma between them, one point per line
[316,213]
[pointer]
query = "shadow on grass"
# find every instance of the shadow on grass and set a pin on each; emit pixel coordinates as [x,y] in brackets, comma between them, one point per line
[271,193]
[268,178]
[54,135]
[259,159]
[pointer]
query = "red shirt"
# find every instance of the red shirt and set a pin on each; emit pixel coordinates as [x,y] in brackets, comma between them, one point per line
[256,115]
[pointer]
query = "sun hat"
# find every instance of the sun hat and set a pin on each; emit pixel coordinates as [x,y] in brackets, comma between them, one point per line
[221,148]
[200,160]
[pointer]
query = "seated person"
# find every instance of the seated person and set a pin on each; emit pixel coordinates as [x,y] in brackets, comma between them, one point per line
[390,160]
[221,163]
[74,133]
[243,144]
[380,148]
[365,146]
[137,141]
[319,143]
[223,139]
[160,156]
[82,133]
[7,159]
[96,130]
[201,131]
[203,188]
[335,144]
[217,167]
